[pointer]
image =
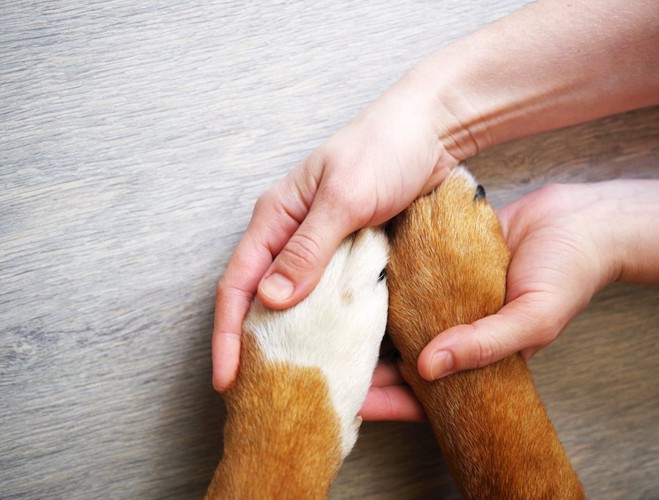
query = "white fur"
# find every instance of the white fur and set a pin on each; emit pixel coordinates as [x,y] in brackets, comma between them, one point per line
[461,169]
[337,328]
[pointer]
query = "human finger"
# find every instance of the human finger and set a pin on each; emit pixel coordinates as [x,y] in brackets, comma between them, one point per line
[531,320]
[299,265]
[271,226]
[394,402]
[386,374]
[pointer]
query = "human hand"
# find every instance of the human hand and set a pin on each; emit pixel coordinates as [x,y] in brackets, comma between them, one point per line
[362,176]
[483,90]
[567,242]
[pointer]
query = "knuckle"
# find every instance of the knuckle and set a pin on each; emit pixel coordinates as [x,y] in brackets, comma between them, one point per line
[322,157]
[265,200]
[485,352]
[221,288]
[333,189]
[546,332]
[337,187]
[227,292]
[543,322]
[351,205]
[300,253]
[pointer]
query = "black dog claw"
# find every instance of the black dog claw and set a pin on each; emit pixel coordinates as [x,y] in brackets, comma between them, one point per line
[480,193]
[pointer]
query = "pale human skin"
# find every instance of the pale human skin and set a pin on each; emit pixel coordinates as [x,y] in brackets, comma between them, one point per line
[550,65]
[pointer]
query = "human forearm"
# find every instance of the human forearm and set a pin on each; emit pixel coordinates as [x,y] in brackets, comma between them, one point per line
[550,65]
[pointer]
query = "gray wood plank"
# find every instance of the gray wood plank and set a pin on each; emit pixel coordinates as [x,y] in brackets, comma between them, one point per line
[134,141]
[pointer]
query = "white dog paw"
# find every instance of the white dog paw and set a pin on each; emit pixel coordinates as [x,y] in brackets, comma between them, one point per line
[337,328]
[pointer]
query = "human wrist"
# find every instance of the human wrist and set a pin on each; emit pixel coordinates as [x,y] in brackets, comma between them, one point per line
[439,78]
[546,66]
[632,209]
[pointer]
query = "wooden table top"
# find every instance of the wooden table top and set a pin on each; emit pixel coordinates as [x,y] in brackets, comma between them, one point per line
[134,141]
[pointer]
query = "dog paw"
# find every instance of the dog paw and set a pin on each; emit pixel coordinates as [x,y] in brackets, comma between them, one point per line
[448,262]
[337,328]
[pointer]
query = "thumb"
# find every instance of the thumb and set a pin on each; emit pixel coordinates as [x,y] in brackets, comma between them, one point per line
[301,263]
[528,323]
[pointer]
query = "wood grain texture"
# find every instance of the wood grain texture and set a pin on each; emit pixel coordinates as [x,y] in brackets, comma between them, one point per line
[135,139]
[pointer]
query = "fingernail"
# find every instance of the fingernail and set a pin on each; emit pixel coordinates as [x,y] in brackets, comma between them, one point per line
[440,364]
[277,288]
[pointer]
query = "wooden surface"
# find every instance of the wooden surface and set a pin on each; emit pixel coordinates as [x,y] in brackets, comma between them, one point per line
[134,140]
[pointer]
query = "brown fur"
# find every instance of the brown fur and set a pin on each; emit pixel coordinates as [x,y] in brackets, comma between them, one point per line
[447,267]
[281,438]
